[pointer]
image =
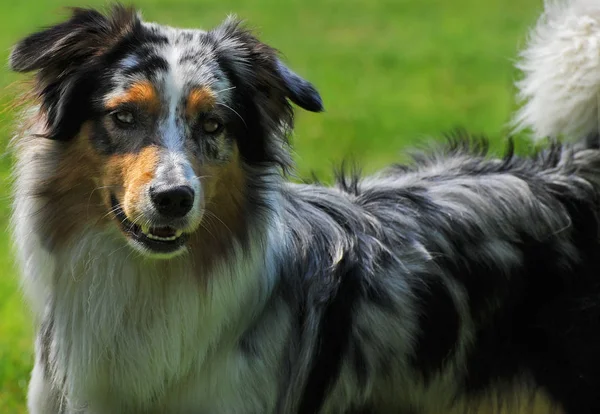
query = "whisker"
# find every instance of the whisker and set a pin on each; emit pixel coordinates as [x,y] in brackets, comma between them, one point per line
[208,230]
[225,90]
[141,220]
[199,177]
[234,111]
[210,214]
[112,210]
[92,193]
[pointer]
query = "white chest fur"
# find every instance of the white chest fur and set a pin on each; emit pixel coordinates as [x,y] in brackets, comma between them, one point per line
[131,334]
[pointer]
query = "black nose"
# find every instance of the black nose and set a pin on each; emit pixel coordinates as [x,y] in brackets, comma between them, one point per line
[174,202]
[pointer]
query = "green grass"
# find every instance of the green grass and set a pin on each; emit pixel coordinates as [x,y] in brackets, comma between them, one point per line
[391,73]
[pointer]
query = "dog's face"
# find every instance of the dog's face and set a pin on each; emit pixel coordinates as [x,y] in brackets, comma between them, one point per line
[164,121]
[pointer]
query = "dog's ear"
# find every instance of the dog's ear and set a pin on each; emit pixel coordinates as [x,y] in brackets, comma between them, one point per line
[66,57]
[264,87]
[300,91]
[259,66]
[86,34]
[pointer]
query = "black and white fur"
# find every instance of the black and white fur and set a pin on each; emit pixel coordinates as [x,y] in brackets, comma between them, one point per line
[417,290]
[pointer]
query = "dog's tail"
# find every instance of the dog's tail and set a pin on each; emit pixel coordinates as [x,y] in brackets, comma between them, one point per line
[560,87]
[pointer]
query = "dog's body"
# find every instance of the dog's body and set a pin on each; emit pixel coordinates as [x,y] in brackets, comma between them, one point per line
[173,270]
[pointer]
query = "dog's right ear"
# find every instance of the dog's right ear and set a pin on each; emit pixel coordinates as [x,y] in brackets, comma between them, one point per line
[86,34]
[65,57]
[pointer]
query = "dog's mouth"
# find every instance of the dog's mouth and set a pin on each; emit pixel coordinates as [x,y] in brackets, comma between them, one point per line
[163,239]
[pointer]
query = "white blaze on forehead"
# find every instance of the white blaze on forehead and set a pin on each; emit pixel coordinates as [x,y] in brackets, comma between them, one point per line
[180,77]
[173,87]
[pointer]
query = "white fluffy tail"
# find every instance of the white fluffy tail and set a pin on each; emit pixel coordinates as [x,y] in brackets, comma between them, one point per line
[561,67]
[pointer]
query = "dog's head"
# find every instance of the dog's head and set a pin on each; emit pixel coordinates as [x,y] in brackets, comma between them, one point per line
[165,121]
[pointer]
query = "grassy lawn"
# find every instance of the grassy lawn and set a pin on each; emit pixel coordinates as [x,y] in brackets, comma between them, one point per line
[391,73]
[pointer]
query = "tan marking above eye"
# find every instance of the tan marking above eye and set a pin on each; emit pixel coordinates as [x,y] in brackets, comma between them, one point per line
[142,93]
[198,100]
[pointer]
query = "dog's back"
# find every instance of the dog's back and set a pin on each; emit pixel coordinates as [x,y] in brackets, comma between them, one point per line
[486,269]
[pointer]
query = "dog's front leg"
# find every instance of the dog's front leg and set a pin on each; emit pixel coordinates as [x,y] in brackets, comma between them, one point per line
[42,397]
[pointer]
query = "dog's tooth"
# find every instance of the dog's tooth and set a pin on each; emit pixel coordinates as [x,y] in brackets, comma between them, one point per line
[154,237]
[148,233]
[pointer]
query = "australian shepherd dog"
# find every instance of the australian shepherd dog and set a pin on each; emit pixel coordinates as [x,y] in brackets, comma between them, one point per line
[172,267]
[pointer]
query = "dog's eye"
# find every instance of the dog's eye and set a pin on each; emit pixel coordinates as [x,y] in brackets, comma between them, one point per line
[124,118]
[211,126]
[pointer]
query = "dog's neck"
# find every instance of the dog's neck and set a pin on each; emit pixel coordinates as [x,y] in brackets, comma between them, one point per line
[107,301]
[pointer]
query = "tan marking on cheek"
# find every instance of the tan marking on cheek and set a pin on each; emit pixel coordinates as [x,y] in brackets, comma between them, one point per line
[199,99]
[71,198]
[225,187]
[130,175]
[224,190]
[141,93]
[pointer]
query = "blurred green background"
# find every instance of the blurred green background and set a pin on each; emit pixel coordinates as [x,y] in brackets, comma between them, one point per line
[392,73]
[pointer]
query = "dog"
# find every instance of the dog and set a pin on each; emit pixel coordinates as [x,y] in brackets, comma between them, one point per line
[173,268]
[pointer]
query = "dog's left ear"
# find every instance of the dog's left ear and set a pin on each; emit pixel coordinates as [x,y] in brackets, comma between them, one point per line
[263,88]
[300,91]
[259,67]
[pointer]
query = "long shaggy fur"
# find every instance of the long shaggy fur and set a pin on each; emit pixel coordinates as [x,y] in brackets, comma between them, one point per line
[560,87]
[455,282]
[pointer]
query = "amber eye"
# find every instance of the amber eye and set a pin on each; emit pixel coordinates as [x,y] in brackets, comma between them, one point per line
[124,118]
[211,126]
